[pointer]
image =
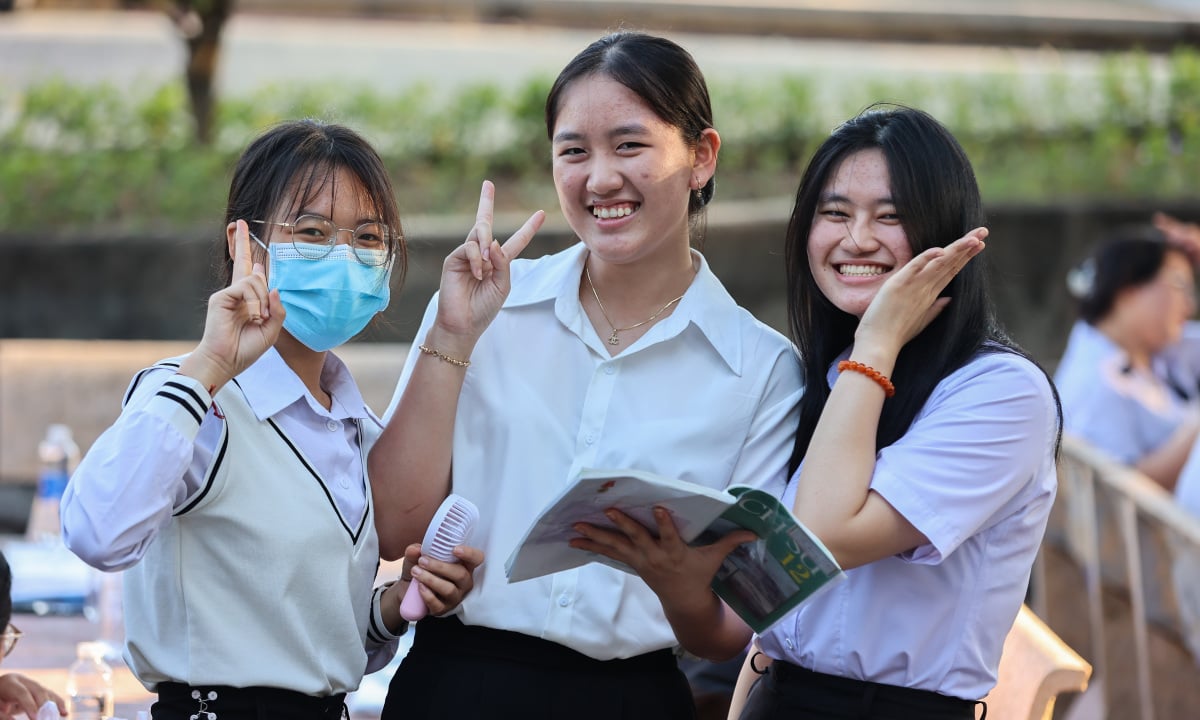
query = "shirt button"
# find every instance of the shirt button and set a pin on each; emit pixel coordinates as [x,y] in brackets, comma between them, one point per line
[333,425]
[564,601]
[591,438]
[609,369]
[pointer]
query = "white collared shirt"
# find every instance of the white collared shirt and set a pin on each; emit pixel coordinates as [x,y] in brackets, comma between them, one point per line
[975,473]
[1125,412]
[708,395]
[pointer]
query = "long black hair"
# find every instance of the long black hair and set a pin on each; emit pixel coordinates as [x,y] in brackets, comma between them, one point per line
[938,200]
[5,593]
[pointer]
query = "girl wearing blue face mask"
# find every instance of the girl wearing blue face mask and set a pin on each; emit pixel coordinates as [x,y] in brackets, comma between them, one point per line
[233,489]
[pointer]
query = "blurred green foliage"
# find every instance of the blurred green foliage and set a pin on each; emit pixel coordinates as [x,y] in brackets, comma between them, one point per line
[80,159]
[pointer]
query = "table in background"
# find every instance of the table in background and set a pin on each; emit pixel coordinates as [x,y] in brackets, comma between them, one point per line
[47,649]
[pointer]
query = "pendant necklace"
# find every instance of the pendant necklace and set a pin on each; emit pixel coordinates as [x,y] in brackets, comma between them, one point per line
[612,338]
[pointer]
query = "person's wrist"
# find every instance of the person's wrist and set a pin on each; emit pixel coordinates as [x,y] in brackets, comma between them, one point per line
[451,344]
[874,356]
[201,367]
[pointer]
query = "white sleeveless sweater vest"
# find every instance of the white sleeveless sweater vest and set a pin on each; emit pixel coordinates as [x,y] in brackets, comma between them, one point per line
[258,580]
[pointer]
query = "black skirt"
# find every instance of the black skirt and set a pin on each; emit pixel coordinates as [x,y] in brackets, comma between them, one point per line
[790,692]
[177,701]
[468,672]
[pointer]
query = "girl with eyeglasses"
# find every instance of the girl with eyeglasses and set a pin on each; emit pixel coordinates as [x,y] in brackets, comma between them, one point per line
[18,694]
[233,488]
[623,351]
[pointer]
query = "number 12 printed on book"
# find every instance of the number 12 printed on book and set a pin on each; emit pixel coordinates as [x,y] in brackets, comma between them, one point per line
[761,580]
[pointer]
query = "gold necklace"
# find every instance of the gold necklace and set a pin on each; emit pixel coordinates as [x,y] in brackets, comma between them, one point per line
[613,339]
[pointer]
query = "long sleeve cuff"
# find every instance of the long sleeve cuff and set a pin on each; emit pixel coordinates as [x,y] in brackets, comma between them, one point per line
[183,402]
[377,632]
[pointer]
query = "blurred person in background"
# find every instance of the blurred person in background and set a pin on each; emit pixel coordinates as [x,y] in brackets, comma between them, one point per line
[18,694]
[1129,378]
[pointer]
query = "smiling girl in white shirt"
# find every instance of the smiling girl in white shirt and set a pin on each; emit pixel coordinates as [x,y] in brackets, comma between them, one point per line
[623,351]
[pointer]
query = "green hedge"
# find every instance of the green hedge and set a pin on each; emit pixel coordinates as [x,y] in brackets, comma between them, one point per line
[76,158]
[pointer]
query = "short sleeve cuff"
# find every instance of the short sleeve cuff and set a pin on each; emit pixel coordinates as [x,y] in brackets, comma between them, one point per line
[940,533]
[377,631]
[183,402]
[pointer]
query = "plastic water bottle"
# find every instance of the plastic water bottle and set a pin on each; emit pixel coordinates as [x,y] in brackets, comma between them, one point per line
[58,455]
[89,684]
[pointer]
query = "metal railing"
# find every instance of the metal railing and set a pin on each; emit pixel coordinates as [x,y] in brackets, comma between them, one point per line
[1126,532]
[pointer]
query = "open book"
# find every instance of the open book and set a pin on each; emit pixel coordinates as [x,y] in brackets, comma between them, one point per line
[761,581]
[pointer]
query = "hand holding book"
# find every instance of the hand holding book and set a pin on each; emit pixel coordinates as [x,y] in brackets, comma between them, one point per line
[761,561]
[674,570]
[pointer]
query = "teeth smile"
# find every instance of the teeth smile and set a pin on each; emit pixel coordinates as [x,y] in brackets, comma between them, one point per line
[861,270]
[614,211]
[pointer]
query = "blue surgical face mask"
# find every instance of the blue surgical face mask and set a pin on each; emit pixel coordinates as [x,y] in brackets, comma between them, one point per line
[330,300]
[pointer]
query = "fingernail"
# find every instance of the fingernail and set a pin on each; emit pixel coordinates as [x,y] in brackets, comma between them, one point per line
[423,562]
[610,514]
[417,572]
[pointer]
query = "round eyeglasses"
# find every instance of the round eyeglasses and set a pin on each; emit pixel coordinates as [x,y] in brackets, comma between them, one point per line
[9,639]
[314,237]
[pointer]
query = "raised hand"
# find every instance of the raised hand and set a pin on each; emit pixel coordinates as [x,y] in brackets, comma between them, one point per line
[243,320]
[908,301]
[475,276]
[1183,235]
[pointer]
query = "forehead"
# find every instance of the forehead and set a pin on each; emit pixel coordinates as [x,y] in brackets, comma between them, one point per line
[598,104]
[1176,262]
[324,190]
[864,172]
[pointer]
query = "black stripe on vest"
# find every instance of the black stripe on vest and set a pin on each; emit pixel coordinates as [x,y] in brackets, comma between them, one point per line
[212,471]
[328,495]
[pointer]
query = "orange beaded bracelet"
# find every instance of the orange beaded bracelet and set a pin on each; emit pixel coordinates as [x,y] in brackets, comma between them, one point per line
[888,388]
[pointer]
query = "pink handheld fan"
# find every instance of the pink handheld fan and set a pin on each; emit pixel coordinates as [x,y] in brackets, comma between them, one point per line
[452,525]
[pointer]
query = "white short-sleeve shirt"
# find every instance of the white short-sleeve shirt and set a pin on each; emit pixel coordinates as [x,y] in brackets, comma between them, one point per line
[1124,412]
[975,473]
[708,395]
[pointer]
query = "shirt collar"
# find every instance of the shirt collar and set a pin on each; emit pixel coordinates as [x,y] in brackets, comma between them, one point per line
[707,304]
[271,386]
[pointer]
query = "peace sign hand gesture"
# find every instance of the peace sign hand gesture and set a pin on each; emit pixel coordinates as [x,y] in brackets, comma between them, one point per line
[243,320]
[475,278]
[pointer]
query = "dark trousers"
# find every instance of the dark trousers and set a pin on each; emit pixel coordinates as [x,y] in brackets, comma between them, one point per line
[468,672]
[177,701]
[789,692]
